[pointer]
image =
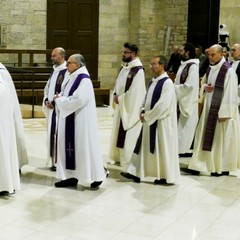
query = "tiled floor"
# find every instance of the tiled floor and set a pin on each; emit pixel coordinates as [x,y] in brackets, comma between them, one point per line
[200,207]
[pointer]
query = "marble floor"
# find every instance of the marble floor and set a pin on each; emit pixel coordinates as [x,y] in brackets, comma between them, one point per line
[200,207]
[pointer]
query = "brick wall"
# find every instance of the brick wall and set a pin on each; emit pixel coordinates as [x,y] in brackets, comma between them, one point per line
[229,14]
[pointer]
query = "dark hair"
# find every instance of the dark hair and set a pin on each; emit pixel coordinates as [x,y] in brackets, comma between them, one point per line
[162,60]
[198,46]
[132,47]
[189,47]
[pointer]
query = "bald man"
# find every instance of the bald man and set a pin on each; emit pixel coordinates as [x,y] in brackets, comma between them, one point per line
[53,87]
[216,147]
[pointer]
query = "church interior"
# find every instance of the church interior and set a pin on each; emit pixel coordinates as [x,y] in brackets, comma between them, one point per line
[199,208]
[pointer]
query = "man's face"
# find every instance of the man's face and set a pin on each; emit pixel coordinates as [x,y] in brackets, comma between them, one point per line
[127,55]
[72,65]
[235,52]
[182,54]
[56,57]
[198,52]
[155,66]
[214,56]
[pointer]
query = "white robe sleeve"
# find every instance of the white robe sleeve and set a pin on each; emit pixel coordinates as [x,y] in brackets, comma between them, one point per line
[80,98]
[131,101]
[46,89]
[229,100]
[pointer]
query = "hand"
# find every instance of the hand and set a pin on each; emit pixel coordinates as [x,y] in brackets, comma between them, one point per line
[56,95]
[142,117]
[221,120]
[208,88]
[115,99]
[49,105]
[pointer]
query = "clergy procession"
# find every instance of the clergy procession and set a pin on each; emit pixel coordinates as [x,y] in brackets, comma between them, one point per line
[156,122]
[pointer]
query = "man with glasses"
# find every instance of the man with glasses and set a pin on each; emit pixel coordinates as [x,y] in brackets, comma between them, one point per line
[156,154]
[79,158]
[53,87]
[128,94]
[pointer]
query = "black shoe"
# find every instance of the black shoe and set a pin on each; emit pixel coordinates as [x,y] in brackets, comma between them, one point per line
[190,171]
[96,184]
[130,176]
[160,182]
[53,169]
[106,171]
[215,174]
[70,182]
[225,173]
[186,155]
[4,193]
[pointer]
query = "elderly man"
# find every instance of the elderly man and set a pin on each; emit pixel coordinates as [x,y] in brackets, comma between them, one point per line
[79,158]
[216,148]
[52,87]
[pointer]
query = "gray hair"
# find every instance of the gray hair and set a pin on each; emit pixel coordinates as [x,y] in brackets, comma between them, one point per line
[218,48]
[79,59]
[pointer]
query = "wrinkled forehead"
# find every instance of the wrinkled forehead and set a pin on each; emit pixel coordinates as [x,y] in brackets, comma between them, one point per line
[213,51]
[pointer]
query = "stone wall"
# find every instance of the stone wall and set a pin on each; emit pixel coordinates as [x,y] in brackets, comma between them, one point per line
[25,26]
[229,15]
[144,22]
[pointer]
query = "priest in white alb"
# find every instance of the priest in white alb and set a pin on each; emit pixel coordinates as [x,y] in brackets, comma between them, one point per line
[52,87]
[217,141]
[17,116]
[9,164]
[156,153]
[127,99]
[187,91]
[79,158]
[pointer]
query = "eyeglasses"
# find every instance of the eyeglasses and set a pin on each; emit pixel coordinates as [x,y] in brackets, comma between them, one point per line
[126,52]
[154,64]
[70,63]
[233,50]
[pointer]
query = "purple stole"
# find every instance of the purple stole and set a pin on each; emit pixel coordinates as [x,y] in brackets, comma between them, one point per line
[59,81]
[183,79]
[155,97]
[184,73]
[214,108]
[70,128]
[121,132]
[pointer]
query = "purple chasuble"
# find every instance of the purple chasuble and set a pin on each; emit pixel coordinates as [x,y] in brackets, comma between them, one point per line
[70,128]
[155,97]
[58,85]
[214,108]
[121,132]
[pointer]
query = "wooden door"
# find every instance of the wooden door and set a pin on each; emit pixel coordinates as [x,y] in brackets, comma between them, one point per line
[73,24]
[203,22]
